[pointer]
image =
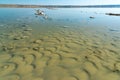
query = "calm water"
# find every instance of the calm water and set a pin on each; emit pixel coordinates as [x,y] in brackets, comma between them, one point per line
[65,44]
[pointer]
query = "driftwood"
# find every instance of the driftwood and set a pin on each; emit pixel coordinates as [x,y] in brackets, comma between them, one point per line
[113,14]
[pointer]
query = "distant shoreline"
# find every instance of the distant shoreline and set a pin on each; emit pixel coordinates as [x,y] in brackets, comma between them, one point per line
[57,6]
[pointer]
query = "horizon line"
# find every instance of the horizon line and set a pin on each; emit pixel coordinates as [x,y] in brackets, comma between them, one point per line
[57,6]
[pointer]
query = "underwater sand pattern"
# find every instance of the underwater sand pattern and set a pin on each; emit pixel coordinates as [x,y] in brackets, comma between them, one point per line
[63,54]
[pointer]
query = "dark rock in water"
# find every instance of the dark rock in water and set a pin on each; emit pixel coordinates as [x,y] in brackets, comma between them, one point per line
[20,37]
[91,17]
[113,14]
[6,48]
[23,37]
[37,41]
[36,49]
[16,38]
[39,12]
[28,29]
[23,25]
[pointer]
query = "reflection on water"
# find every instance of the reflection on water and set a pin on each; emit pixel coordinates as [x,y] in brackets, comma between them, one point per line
[72,44]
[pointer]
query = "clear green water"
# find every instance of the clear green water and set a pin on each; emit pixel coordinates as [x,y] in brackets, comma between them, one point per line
[68,45]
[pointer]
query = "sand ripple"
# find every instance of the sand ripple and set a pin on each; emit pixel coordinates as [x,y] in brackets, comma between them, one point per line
[66,54]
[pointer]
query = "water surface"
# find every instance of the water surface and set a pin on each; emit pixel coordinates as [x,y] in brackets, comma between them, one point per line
[67,45]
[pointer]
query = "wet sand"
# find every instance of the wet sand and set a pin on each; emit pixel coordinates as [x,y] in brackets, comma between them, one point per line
[62,53]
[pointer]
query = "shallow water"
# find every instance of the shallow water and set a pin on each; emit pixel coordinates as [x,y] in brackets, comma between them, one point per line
[67,45]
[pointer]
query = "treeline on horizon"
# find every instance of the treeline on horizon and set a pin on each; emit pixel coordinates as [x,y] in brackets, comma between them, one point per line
[59,6]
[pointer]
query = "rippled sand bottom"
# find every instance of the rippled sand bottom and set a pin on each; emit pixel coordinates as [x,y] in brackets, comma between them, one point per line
[64,53]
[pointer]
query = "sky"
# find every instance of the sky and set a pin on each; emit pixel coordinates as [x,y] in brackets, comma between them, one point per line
[61,2]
